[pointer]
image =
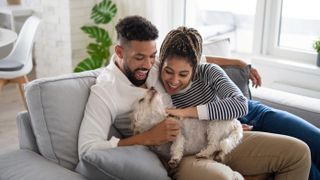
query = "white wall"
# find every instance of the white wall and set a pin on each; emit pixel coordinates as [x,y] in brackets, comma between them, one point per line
[80,11]
[53,41]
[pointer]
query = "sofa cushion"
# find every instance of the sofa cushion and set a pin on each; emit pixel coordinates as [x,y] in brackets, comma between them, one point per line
[217,47]
[56,107]
[240,76]
[27,165]
[122,163]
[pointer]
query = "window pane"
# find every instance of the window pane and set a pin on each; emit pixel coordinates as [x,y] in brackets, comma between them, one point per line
[231,18]
[300,24]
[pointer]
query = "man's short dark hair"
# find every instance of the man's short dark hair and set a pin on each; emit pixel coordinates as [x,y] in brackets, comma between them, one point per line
[135,28]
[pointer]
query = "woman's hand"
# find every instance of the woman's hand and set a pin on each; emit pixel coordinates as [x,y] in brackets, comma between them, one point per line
[190,112]
[255,77]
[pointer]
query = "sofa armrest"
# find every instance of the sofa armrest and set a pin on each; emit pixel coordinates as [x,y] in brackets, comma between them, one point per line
[26,165]
[306,107]
[27,139]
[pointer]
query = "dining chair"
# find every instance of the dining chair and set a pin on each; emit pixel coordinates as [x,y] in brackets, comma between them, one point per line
[15,67]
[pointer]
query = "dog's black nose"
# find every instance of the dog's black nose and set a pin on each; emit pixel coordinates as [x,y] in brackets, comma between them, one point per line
[152,88]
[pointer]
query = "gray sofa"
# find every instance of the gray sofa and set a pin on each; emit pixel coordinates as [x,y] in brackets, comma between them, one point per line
[48,136]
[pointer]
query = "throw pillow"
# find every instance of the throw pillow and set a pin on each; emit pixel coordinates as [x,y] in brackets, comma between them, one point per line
[123,163]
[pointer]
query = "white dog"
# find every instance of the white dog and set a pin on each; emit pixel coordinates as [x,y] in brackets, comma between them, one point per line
[201,137]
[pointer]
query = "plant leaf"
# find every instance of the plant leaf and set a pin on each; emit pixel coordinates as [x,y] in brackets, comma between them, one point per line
[99,52]
[103,12]
[96,51]
[88,64]
[99,34]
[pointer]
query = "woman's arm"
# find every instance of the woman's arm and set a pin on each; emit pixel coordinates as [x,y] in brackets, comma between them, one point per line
[227,100]
[190,112]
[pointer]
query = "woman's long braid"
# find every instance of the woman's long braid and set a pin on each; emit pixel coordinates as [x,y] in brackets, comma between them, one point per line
[182,42]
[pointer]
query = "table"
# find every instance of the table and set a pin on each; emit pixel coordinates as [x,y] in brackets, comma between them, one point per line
[7,37]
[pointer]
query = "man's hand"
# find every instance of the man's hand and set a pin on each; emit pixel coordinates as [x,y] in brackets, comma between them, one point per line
[165,131]
[255,77]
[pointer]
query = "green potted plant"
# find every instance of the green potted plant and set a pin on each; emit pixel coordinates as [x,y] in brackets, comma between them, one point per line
[99,52]
[316,46]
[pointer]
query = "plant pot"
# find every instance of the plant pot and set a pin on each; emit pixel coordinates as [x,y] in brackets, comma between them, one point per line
[318,60]
[13,2]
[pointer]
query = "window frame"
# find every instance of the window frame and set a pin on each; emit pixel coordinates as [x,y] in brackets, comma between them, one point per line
[271,34]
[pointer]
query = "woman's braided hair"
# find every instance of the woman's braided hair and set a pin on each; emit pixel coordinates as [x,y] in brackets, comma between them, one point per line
[182,42]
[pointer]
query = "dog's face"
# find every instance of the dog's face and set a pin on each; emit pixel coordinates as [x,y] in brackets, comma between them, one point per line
[148,111]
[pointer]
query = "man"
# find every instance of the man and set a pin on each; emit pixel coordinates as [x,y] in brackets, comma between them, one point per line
[123,79]
[122,82]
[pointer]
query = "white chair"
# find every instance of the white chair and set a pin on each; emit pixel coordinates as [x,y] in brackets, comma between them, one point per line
[15,67]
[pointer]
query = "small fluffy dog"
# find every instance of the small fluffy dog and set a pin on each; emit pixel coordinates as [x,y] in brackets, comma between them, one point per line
[201,137]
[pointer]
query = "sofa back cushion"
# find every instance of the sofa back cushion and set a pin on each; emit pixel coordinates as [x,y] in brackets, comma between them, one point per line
[217,47]
[56,107]
[240,76]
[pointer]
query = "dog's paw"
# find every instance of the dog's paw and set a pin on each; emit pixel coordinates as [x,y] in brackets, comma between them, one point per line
[173,163]
[237,176]
[202,155]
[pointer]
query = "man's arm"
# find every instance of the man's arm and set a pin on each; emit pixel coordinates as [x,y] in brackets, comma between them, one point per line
[97,120]
[95,126]
[221,61]
[254,74]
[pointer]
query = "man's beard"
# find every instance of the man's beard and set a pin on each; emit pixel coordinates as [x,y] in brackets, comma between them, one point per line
[131,76]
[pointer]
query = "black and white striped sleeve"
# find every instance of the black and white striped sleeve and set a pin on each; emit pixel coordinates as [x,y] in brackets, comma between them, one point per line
[230,103]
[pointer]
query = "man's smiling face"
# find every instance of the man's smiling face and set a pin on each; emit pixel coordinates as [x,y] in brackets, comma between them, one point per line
[136,59]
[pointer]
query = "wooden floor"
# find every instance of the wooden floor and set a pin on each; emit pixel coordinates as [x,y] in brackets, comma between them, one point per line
[10,105]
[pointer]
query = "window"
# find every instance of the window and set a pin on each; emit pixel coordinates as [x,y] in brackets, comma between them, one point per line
[283,29]
[299,24]
[293,26]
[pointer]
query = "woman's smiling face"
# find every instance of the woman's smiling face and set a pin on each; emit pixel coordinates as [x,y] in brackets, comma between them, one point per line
[175,74]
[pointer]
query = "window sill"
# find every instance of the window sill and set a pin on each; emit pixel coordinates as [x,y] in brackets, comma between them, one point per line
[282,63]
[289,76]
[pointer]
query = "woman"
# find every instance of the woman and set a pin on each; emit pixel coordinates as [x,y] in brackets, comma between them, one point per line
[205,92]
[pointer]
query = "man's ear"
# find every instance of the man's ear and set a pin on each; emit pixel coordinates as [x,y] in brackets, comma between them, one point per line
[119,51]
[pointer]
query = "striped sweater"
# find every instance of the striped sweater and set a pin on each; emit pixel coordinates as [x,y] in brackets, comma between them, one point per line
[214,95]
